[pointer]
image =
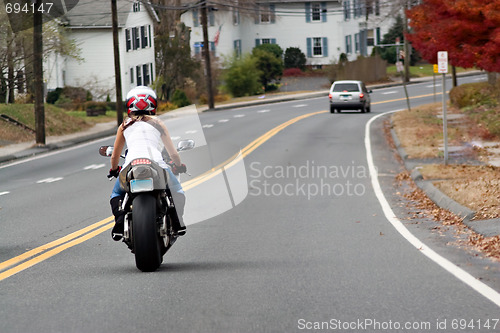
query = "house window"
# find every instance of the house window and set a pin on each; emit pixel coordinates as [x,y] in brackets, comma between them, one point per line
[237,47]
[370,37]
[236,15]
[259,41]
[137,37]
[132,75]
[128,39]
[266,14]
[145,33]
[348,44]
[146,74]
[358,8]
[265,17]
[347,10]
[136,7]
[317,47]
[138,73]
[316,11]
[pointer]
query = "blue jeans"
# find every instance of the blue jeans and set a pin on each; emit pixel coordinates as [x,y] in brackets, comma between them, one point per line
[174,186]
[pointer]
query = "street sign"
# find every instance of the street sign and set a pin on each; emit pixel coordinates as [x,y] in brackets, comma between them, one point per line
[436,68]
[443,62]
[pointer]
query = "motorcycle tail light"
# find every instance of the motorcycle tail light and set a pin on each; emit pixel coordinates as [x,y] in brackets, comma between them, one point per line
[141,161]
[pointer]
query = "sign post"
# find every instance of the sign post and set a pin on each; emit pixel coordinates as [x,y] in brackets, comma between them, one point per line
[443,69]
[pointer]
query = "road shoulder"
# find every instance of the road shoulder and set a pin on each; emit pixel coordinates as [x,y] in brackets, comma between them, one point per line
[450,241]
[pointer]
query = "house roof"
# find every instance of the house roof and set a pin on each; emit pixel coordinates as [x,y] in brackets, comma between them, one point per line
[97,13]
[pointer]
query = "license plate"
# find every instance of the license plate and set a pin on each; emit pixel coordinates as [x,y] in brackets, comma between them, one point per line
[345,97]
[141,185]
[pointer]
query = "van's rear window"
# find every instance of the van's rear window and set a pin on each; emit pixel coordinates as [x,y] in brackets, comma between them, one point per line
[350,87]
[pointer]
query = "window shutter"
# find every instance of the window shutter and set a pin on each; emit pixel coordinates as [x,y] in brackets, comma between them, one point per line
[127,39]
[149,34]
[325,47]
[138,75]
[309,47]
[211,18]
[196,20]
[134,41]
[212,46]
[308,12]
[257,42]
[273,40]
[272,8]
[144,39]
[323,11]
[257,15]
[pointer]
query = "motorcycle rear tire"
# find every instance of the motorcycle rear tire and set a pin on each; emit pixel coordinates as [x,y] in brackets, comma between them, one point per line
[146,245]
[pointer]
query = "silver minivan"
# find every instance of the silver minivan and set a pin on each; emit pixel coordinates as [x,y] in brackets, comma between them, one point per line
[349,95]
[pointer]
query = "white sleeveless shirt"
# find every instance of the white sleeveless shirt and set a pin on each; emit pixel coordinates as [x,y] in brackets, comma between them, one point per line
[143,141]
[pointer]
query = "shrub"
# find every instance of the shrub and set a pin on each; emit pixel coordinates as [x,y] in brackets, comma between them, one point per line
[77,94]
[53,96]
[241,77]
[95,108]
[180,99]
[270,67]
[165,106]
[292,72]
[472,94]
[295,58]
[271,48]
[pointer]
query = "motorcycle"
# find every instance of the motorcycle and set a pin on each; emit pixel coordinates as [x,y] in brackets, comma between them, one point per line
[149,209]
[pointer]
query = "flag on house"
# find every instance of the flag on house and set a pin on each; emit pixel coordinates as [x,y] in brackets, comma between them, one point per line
[217,34]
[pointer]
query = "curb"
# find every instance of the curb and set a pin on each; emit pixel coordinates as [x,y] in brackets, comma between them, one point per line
[486,228]
[279,99]
[33,151]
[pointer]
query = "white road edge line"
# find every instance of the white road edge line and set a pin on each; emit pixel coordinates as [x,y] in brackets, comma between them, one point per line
[4,193]
[456,271]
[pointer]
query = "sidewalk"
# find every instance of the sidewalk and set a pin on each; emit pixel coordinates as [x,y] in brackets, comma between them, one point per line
[28,149]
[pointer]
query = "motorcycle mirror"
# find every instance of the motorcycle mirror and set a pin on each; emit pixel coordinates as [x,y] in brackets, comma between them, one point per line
[185,145]
[106,150]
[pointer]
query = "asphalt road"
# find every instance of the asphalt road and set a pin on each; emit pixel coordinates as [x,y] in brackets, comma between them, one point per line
[291,237]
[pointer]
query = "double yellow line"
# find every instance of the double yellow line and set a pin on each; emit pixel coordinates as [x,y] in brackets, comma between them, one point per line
[41,253]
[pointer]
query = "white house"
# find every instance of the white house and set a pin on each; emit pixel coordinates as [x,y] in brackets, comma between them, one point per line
[90,26]
[322,29]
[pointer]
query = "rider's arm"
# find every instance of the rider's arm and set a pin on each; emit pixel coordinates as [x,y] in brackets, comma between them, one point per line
[118,147]
[169,145]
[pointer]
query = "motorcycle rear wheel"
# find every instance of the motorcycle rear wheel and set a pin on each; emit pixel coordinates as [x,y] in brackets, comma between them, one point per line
[147,250]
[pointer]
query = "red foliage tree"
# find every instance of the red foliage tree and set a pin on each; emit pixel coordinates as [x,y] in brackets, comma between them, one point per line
[468,29]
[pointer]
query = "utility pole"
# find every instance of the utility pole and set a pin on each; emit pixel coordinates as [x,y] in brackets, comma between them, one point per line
[206,50]
[407,57]
[118,76]
[38,74]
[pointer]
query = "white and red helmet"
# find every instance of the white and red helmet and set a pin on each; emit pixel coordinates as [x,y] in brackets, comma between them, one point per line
[141,100]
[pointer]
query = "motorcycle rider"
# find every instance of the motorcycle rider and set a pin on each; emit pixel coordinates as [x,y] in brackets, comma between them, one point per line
[145,137]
